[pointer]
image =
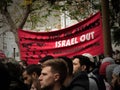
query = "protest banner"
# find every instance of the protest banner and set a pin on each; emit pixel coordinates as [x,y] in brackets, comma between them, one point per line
[83,37]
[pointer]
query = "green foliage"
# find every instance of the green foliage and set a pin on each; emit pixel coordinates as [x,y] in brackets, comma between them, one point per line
[76,9]
[42,9]
[115,21]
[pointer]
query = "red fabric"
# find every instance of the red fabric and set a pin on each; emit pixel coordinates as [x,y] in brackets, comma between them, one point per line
[2,55]
[84,37]
[102,70]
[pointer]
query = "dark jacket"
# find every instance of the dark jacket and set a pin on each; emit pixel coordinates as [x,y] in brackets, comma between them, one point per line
[80,81]
[63,88]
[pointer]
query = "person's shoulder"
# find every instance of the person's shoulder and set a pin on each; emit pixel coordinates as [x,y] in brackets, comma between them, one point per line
[76,87]
[79,82]
[92,84]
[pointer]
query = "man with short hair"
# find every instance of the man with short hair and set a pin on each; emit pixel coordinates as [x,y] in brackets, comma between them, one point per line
[80,63]
[47,57]
[69,68]
[31,73]
[80,79]
[53,74]
[81,68]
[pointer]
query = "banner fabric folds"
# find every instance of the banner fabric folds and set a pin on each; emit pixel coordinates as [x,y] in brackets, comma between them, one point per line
[83,37]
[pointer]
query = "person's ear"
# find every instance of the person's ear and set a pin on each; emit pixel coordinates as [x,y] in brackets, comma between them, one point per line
[34,75]
[83,67]
[56,76]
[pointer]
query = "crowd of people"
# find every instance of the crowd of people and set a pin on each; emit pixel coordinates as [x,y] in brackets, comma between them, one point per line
[81,72]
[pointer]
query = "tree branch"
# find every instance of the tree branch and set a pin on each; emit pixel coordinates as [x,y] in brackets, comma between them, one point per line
[25,16]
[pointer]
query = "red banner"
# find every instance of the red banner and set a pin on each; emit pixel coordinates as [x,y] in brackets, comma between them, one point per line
[84,37]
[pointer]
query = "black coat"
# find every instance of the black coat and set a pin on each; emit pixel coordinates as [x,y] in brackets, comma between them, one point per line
[80,81]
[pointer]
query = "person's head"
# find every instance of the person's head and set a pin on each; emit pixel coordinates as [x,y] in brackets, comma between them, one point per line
[109,71]
[45,59]
[69,69]
[31,73]
[80,63]
[53,73]
[89,56]
[13,68]
[69,64]
[104,64]
[108,59]
[92,60]
[15,72]
[116,78]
